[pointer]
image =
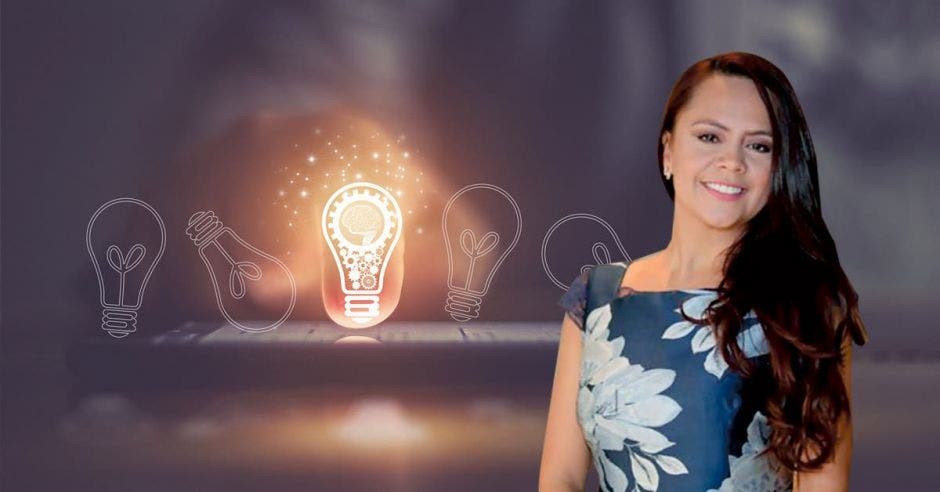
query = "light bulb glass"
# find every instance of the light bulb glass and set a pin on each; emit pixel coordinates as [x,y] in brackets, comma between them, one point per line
[475,252]
[124,262]
[236,268]
[603,244]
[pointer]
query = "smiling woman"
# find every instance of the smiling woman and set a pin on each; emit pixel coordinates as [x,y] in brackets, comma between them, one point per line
[757,396]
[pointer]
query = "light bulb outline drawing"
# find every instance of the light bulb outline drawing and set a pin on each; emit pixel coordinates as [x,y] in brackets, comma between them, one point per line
[599,249]
[120,319]
[361,266]
[463,302]
[205,229]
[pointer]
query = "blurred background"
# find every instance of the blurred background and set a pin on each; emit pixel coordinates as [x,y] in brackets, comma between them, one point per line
[226,106]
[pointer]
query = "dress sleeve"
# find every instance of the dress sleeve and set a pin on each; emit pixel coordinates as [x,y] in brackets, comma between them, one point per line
[574,301]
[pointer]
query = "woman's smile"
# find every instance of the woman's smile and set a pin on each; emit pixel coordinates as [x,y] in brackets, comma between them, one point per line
[723,191]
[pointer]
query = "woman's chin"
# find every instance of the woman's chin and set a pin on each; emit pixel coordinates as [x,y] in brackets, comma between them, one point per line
[725,222]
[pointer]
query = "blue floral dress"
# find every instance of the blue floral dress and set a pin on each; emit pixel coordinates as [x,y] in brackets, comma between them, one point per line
[657,403]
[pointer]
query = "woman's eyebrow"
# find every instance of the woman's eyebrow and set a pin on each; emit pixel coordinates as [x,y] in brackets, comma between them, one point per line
[725,128]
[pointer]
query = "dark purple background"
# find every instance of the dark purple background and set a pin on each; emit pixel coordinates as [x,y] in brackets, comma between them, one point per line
[558,102]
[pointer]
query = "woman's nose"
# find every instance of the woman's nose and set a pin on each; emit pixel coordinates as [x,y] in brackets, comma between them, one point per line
[733,160]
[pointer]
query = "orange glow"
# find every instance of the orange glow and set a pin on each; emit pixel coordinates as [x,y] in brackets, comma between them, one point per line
[278,171]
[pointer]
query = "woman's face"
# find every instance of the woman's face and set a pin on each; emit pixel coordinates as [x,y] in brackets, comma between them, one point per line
[721,137]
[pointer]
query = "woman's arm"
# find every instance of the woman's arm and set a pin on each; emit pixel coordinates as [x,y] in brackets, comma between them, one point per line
[834,475]
[565,456]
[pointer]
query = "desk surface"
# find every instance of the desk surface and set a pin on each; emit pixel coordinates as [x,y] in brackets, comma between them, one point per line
[394,354]
[324,332]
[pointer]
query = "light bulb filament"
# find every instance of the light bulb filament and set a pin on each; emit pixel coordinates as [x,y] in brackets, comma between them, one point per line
[123,264]
[474,249]
[241,271]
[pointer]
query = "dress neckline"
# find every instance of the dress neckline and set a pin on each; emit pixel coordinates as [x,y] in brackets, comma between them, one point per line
[626,290]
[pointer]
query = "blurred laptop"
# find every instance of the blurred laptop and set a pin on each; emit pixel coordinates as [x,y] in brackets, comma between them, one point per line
[195,354]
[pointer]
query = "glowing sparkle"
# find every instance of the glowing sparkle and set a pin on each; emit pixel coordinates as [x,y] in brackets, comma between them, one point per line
[296,201]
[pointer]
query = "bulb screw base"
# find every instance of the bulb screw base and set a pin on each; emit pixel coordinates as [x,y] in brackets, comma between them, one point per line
[362,308]
[203,227]
[118,322]
[463,305]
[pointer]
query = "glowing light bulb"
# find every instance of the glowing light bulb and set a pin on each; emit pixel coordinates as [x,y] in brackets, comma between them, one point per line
[470,274]
[236,266]
[130,261]
[362,226]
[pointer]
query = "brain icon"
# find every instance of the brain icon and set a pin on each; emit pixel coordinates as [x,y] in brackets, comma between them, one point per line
[363,220]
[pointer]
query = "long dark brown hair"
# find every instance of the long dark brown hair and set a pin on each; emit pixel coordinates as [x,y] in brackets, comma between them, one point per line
[784,267]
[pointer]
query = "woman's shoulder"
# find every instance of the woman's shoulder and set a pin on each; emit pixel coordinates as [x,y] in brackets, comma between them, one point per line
[595,285]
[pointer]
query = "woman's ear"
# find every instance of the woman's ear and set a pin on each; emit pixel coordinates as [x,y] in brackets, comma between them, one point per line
[667,153]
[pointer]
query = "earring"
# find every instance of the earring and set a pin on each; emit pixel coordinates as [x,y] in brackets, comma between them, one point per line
[667,174]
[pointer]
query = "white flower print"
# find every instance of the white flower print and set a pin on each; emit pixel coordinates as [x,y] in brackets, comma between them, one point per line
[751,340]
[619,404]
[752,473]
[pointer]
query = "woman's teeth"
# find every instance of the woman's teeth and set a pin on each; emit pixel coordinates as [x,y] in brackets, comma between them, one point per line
[728,190]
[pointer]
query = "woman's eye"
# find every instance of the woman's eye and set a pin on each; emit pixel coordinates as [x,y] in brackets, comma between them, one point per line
[712,138]
[763,149]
